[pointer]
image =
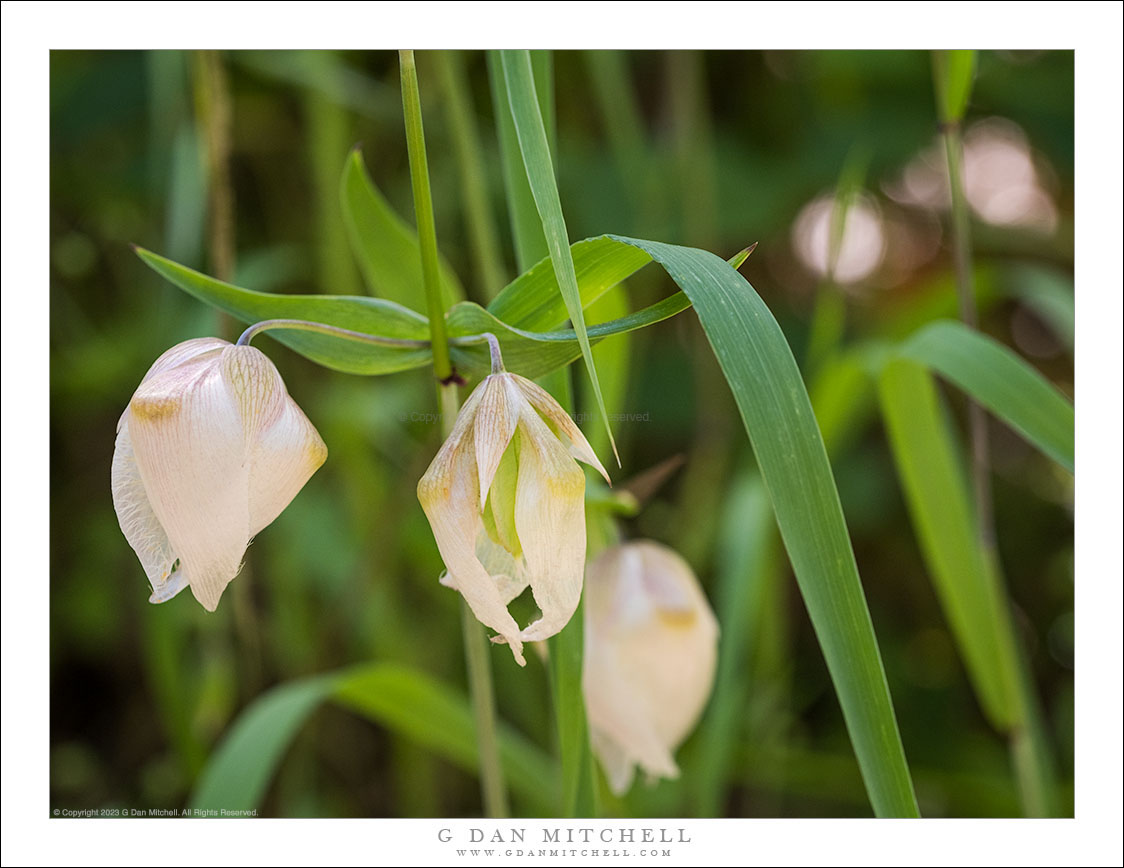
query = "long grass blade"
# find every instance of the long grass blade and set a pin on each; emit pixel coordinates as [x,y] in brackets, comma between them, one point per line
[1002,382]
[940,502]
[967,579]
[763,376]
[535,148]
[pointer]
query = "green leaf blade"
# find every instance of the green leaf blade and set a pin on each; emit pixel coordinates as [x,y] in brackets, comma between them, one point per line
[385,245]
[953,73]
[533,300]
[239,771]
[533,143]
[1001,381]
[535,354]
[405,701]
[937,493]
[369,315]
[762,373]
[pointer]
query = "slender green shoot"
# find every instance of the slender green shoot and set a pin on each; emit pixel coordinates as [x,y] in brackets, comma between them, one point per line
[475,642]
[423,210]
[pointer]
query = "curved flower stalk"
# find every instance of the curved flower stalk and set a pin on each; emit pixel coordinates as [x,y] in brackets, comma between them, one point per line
[209,451]
[651,647]
[506,501]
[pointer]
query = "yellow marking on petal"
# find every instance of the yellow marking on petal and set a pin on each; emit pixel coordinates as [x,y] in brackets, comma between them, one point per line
[678,620]
[152,409]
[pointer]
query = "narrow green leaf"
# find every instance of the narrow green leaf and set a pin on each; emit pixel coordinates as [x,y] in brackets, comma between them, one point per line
[534,354]
[384,244]
[939,500]
[966,576]
[1049,293]
[533,144]
[612,358]
[405,701]
[533,301]
[371,315]
[239,771]
[526,228]
[842,393]
[758,364]
[1001,381]
[953,72]
[417,706]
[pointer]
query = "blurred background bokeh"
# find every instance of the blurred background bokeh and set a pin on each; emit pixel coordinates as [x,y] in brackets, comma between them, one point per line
[715,150]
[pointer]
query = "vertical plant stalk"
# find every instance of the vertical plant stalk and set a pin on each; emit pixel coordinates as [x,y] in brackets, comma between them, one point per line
[465,139]
[475,639]
[962,264]
[579,797]
[694,146]
[423,211]
[212,106]
[1030,753]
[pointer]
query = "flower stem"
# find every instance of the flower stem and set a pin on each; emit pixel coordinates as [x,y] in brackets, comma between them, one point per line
[423,211]
[325,329]
[475,639]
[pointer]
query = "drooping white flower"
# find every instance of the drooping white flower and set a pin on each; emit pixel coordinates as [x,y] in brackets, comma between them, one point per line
[651,648]
[209,451]
[506,502]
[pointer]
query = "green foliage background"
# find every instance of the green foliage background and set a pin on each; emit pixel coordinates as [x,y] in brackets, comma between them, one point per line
[714,150]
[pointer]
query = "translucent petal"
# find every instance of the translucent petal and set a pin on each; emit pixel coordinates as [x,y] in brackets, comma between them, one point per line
[283,448]
[620,712]
[542,401]
[651,653]
[493,426]
[182,353]
[139,523]
[449,495]
[614,760]
[550,520]
[189,447]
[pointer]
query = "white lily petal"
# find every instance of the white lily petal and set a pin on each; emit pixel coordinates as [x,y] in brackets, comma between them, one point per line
[494,425]
[619,768]
[449,495]
[182,353]
[621,713]
[669,583]
[189,446]
[178,355]
[283,447]
[542,401]
[139,523]
[550,521]
[650,653]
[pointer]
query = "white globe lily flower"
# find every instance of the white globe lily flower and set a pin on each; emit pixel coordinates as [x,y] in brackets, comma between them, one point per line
[209,451]
[506,502]
[651,648]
